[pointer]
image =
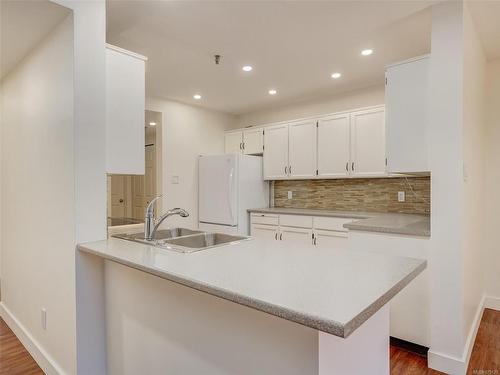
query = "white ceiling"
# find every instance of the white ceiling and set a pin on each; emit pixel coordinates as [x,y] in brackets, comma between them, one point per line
[486,16]
[293,47]
[23,24]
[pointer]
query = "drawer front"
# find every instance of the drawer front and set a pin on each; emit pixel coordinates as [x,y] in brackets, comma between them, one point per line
[264,219]
[331,223]
[296,221]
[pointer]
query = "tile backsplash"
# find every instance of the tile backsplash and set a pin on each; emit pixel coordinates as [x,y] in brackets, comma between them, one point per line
[365,194]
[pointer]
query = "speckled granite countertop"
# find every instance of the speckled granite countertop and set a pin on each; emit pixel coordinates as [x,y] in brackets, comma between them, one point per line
[407,224]
[332,291]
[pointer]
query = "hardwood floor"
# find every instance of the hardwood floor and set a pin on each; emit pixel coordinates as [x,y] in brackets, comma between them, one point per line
[14,359]
[485,359]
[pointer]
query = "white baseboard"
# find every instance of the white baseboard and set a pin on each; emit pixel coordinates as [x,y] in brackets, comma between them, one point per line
[492,303]
[458,366]
[44,360]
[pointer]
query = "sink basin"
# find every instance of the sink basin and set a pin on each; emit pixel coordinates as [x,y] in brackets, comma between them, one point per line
[159,235]
[201,241]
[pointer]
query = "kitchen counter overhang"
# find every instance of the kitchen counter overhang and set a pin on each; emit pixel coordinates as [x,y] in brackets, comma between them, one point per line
[333,291]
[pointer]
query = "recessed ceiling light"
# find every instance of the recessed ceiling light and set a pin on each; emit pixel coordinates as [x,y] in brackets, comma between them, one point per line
[247,68]
[272,92]
[152,123]
[197,96]
[367,52]
[336,75]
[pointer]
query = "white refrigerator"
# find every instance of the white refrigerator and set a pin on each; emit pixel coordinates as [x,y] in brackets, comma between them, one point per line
[228,186]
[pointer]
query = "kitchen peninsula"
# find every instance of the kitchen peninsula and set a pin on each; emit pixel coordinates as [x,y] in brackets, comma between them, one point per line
[154,308]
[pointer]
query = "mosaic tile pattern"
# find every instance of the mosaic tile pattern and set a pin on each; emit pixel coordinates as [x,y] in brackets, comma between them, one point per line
[367,194]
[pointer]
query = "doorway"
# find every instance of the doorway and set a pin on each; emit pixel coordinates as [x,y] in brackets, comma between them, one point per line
[129,195]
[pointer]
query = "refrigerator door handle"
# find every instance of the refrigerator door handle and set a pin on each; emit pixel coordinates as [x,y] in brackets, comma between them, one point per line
[230,196]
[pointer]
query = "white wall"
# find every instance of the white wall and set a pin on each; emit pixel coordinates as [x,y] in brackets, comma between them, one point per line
[446,162]
[187,132]
[345,101]
[54,192]
[491,213]
[474,130]
[38,195]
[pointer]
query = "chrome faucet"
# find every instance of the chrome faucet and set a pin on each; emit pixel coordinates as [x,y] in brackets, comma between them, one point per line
[151,224]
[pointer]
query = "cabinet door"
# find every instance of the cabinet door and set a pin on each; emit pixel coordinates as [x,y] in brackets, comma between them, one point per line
[125,105]
[368,143]
[296,235]
[334,146]
[302,149]
[276,152]
[233,142]
[264,231]
[406,93]
[324,239]
[253,141]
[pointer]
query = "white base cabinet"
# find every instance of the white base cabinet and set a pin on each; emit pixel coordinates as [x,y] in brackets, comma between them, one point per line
[314,231]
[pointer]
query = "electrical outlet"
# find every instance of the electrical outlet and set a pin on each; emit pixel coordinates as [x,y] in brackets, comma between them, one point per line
[401,196]
[290,194]
[43,320]
[175,180]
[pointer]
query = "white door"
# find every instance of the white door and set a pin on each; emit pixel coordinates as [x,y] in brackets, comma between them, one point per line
[264,231]
[368,143]
[233,142]
[253,141]
[218,189]
[325,239]
[302,149]
[296,235]
[119,196]
[334,146]
[276,152]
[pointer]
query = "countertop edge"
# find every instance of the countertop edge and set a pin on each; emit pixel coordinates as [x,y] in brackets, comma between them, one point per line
[364,228]
[329,326]
[356,322]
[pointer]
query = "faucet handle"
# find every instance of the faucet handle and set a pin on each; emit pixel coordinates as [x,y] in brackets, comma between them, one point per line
[150,207]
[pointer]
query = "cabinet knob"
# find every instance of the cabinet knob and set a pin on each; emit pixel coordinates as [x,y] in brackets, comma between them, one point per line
[121,201]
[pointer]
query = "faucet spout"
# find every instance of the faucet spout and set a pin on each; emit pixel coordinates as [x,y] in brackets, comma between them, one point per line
[151,224]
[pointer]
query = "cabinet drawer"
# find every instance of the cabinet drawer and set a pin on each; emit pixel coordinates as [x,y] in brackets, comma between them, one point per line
[331,223]
[296,221]
[264,219]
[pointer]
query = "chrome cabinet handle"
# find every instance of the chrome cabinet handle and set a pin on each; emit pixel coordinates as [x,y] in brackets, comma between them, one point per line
[352,166]
[347,166]
[281,236]
[285,171]
[276,236]
[290,169]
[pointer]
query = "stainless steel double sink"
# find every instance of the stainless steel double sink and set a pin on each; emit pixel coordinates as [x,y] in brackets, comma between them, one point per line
[184,240]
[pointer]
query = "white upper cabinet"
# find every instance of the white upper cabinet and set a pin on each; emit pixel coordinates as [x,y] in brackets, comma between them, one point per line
[276,152]
[334,146]
[302,149]
[406,115]
[125,105]
[368,143]
[253,141]
[233,142]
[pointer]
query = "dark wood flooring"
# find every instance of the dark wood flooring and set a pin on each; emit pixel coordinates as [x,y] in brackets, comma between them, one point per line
[14,359]
[485,359]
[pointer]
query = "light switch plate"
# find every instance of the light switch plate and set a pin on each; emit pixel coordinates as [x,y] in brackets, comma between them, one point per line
[290,194]
[401,196]
[175,179]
